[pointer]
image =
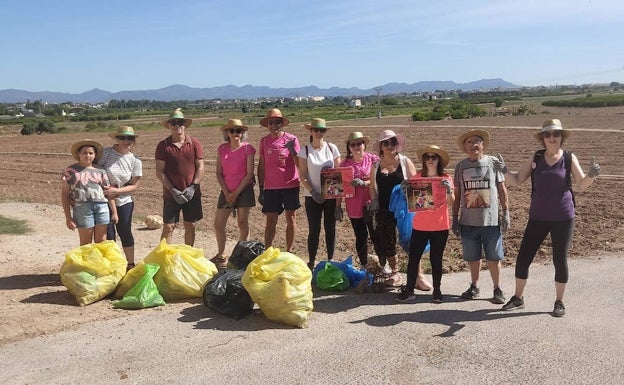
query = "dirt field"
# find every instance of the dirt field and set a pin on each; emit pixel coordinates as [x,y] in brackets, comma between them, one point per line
[30,168]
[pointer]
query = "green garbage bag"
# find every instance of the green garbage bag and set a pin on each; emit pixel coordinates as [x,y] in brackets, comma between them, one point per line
[144,293]
[332,278]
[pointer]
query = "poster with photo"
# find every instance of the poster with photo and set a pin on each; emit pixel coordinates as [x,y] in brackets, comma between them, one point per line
[336,183]
[425,194]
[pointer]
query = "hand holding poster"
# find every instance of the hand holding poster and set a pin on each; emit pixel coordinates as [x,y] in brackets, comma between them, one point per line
[336,183]
[425,194]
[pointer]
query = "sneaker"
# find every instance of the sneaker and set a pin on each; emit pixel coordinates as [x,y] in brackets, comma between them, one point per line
[499,297]
[405,296]
[559,310]
[471,293]
[514,303]
[437,296]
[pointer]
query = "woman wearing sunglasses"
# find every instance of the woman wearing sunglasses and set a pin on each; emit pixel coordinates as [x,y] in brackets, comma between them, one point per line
[430,225]
[124,170]
[314,158]
[552,207]
[235,175]
[361,162]
[391,169]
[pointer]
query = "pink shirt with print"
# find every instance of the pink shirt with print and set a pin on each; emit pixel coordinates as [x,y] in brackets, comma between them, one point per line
[280,170]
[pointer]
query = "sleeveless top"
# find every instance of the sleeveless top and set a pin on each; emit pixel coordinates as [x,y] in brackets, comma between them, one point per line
[385,184]
[552,199]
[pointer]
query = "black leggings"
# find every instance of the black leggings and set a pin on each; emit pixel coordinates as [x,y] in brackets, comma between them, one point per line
[124,225]
[534,234]
[314,212]
[361,228]
[418,242]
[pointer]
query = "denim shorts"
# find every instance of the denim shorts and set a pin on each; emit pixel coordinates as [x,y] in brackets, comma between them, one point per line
[89,214]
[476,239]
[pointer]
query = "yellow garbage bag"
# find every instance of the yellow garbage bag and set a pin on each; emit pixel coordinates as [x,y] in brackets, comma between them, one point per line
[281,285]
[91,272]
[183,271]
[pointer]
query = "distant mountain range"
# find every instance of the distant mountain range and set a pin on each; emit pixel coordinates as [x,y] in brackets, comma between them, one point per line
[182,92]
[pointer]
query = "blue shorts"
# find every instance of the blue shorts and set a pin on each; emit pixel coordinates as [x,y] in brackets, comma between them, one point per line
[89,214]
[276,201]
[477,238]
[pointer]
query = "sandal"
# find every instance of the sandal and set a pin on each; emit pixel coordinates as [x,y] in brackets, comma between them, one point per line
[220,261]
[422,284]
[130,266]
[394,279]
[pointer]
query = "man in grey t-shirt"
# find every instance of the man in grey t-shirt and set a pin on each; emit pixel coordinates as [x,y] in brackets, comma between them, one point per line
[482,195]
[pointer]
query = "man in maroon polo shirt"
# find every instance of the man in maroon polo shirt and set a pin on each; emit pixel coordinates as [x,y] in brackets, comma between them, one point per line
[179,167]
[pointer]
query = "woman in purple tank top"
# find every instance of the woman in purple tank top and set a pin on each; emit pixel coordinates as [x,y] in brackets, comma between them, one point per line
[551,210]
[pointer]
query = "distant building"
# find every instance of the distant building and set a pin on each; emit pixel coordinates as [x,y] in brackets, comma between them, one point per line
[355,103]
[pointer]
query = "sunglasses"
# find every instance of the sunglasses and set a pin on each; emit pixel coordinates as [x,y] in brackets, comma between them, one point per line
[274,122]
[555,134]
[430,157]
[318,129]
[471,143]
[235,130]
[177,122]
[390,142]
[125,137]
[355,144]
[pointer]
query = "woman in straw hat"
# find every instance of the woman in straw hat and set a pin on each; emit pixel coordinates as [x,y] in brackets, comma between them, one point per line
[235,173]
[391,170]
[430,225]
[361,162]
[82,194]
[314,158]
[278,177]
[552,207]
[124,170]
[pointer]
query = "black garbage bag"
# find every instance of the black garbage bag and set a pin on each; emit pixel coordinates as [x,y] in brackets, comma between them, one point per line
[225,294]
[244,252]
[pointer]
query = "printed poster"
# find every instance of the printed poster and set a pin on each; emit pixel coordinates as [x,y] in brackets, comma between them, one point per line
[336,183]
[425,194]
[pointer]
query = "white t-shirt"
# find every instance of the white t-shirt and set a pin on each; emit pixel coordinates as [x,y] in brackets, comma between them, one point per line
[121,168]
[317,160]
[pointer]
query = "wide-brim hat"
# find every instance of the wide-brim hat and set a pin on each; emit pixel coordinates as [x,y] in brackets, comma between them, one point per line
[177,114]
[357,135]
[86,142]
[123,131]
[316,123]
[234,123]
[550,126]
[389,134]
[480,133]
[274,113]
[432,148]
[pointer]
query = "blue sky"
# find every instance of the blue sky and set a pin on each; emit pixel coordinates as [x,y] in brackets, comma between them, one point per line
[74,46]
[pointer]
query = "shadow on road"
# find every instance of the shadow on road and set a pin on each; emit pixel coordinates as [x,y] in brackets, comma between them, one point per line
[29,281]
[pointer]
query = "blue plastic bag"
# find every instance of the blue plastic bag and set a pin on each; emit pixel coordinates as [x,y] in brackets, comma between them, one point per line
[354,275]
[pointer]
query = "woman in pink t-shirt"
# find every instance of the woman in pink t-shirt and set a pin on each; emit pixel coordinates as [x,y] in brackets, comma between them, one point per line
[235,167]
[361,162]
[431,222]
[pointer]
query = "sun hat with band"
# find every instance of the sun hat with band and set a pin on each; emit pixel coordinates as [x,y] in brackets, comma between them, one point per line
[432,148]
[389,134]
[552,125]
[177,114]
[480,133]
[316,123]
[234,123]
[273,113]
[86,142]
[123,131]
[357,135]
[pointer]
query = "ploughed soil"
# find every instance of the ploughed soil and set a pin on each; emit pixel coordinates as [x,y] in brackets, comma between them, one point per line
[30,168]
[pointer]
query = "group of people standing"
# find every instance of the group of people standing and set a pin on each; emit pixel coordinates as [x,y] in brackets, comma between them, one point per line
[97,196]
